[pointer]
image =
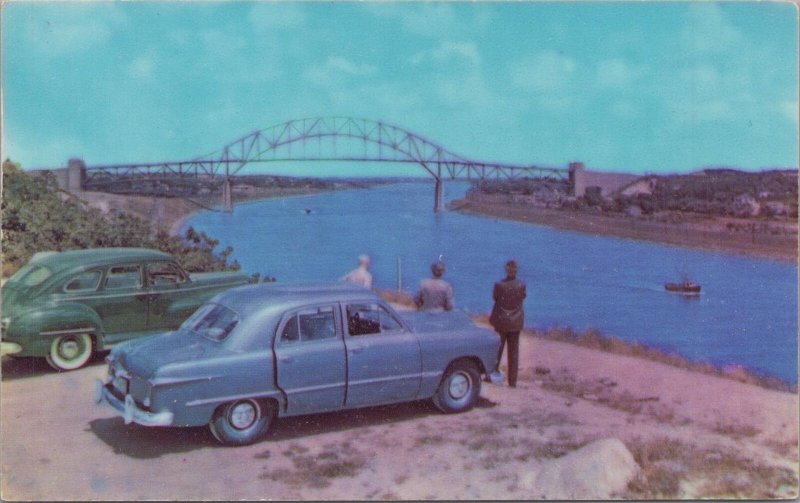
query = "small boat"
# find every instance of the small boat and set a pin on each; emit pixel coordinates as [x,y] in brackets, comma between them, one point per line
[684,286]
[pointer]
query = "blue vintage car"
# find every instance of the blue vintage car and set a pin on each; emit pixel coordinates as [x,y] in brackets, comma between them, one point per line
[255,353]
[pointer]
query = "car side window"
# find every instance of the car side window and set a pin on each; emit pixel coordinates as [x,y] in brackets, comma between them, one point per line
[164,273]
[123,276]
[84,282]
[365,319]
[311,324]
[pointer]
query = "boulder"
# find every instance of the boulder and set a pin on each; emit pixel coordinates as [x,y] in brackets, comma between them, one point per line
[598,470]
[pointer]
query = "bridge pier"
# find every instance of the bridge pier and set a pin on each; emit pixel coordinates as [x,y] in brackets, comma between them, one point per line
[227,201]
[437,194]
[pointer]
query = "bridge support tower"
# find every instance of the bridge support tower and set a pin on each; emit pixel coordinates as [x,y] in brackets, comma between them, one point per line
[76,174]
[437,194]
[227,200]
[437,187]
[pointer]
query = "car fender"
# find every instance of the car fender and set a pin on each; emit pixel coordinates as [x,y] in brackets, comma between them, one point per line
[193,390]
[36,328]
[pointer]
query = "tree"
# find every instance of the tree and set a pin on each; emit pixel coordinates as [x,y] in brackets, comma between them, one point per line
[38,216]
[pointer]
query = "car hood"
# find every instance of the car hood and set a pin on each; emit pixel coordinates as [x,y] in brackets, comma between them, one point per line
[436,321]
[146,356]
[216,278]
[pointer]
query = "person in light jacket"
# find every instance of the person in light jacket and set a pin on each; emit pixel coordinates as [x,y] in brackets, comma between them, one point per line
[435,294]
[360,275]
[507,318]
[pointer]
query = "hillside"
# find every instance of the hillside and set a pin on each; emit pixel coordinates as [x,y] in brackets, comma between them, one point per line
[716,209]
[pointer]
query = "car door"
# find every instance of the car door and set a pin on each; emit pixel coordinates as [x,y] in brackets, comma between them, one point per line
[122,302]
[168,304]
[310,356]
[384,363]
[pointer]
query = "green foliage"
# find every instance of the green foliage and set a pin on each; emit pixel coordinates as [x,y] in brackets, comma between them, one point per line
[715,191]
[38,216]
[525,186]
[168,185]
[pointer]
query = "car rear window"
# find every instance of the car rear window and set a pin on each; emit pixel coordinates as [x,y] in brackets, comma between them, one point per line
[213,321]
[31,275]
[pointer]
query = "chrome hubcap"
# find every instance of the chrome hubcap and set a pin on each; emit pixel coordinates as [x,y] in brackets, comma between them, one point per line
[69,349]
[243,415]
[459,386]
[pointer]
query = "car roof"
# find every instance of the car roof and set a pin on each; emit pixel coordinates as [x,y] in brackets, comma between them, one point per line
[250,299]
[59,261]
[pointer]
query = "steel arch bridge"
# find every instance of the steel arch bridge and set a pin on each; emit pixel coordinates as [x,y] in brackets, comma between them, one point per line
[323,139]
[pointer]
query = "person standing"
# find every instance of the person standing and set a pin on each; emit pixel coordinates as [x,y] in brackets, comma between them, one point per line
[360,275]
[435,293]
[507,318]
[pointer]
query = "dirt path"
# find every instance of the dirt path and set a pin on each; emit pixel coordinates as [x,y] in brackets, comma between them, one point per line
[693,435]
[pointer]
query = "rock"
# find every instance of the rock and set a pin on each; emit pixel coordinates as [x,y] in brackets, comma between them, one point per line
[634,210]
[598,470]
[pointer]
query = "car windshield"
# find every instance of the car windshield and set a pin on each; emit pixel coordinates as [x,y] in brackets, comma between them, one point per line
[213,321]
[31,275]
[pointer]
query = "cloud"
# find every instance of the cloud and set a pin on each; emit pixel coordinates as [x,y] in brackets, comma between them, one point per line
[617,73]
[272,16]
[789,109]
[337,68]
[625,109]
[702,79]
[449,51]
[427,19]
[140,68]
[344,65]
[707,30]
[69,28]
[712,111]
[547,71]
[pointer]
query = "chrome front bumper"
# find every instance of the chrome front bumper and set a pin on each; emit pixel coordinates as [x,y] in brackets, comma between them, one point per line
[128,409]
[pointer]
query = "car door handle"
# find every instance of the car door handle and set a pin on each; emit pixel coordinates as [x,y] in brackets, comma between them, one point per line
[286,359]
[356,350]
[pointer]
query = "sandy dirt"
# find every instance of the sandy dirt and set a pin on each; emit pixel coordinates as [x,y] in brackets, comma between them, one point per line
[694,435]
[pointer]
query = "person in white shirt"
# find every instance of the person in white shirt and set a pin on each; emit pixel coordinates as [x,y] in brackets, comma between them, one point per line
[360,275]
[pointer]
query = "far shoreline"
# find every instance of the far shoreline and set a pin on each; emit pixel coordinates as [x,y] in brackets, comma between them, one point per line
[619,227]
[175,223]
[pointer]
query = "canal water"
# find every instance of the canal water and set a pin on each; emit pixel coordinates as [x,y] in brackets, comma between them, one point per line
[746,314]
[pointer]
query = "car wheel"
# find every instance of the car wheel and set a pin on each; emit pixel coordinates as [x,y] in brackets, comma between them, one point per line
[70,351]
[242,422]
[459,389]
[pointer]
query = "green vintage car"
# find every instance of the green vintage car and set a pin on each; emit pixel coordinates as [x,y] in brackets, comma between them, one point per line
[67,305]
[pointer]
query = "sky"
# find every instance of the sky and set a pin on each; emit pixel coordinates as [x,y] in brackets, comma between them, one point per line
[639,87]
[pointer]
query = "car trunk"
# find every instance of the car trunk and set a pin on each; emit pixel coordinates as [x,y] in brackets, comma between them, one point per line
[143,357]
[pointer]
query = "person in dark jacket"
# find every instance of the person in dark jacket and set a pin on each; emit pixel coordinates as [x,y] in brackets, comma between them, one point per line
[507,318]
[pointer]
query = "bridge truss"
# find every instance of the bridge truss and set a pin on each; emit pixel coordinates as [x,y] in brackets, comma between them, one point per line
[320,140]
